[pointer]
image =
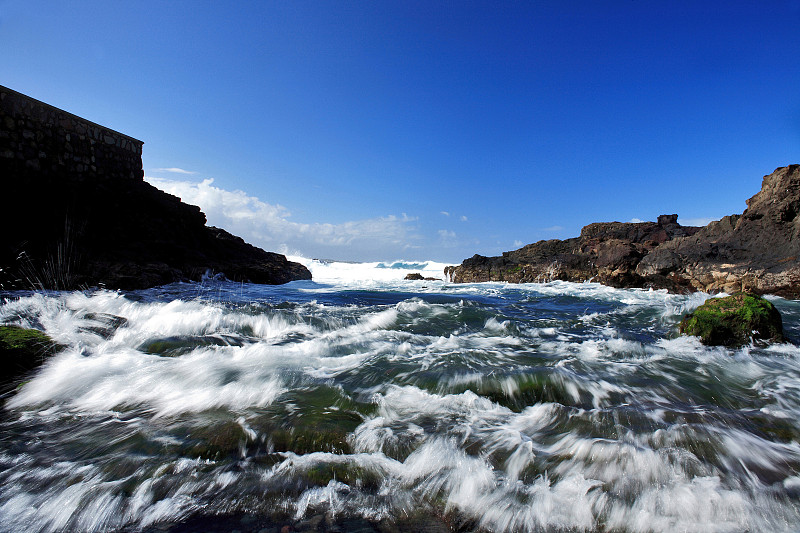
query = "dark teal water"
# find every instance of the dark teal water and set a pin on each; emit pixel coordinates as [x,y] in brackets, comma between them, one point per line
[391,405]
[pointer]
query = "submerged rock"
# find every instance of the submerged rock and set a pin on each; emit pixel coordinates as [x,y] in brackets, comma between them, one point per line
[756,251]
[416,276]
[734,321]
[22,350]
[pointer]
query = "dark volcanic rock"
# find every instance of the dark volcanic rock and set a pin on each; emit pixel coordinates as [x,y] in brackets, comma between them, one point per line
[607,252]
[416,276]
[120,234]
[757,250]
[734,321]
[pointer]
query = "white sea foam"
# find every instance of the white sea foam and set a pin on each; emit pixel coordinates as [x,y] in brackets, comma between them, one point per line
[473,400]
[369,273]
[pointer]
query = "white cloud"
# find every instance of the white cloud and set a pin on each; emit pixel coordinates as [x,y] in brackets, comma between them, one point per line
[518,244]
[698,221]
[463,218]
[268,226]
[445,213]
[553,228]
[174,170]
[447,238]
[636,220]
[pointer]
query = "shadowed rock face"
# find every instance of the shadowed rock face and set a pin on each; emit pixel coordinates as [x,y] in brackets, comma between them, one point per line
[757,250]
[75,212]
[122,234]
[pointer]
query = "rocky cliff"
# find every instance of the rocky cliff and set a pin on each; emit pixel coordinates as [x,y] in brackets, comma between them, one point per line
[757,251]
[75,212]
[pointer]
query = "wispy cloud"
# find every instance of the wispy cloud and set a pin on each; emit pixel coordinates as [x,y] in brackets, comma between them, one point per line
[447,238]
[268,226]
[445,213]
[519,244]
[697,221]
[553,228]
[174,170]
[463,218]
[636,220]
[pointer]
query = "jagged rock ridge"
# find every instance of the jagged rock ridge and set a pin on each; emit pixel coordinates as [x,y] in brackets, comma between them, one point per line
[757,251]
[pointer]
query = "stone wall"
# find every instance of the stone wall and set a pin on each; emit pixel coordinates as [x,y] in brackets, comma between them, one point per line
[42,141]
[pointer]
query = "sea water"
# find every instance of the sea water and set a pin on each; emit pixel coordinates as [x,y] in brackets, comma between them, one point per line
[360,401]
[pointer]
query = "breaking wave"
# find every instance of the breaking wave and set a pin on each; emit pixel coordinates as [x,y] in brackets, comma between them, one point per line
[360,398]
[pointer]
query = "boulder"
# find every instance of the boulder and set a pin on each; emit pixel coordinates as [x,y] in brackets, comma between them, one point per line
[22,350]
[734,321]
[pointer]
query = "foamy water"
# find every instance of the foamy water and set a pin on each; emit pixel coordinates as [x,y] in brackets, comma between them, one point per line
[480,407]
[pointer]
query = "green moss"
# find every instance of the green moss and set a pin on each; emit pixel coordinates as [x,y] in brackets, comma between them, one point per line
[305,440]
[734,321]
[344,472]
[217,441]
[529,390]
[22,350]
[17,338]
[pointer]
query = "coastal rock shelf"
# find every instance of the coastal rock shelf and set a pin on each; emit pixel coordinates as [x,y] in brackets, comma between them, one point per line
[756,251]
[76,212]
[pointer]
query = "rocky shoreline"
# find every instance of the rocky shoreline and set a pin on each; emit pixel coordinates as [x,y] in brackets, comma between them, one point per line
[756,251]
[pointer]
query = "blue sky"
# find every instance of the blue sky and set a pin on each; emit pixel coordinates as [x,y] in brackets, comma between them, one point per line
[427,130]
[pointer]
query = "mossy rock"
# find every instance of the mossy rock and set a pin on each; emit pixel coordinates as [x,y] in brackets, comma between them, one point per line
[22,350]
[734,321]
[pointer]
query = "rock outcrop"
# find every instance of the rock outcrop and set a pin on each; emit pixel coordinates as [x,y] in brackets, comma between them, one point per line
[735,320]
[416,276]
[757,250]
[120,234]
[607,252]
[22,350]
[75,212]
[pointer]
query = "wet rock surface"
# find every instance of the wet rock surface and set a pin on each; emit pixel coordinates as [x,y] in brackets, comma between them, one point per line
[22,350]
[416,276]
[734,321]
[756,251]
